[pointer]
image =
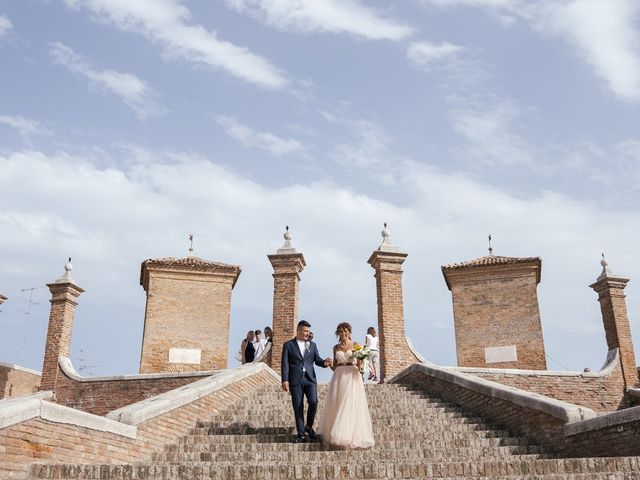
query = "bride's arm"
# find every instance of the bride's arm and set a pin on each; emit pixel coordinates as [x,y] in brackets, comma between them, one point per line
[335,360]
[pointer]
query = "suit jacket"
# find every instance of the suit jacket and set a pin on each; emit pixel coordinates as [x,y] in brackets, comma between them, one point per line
[293,362]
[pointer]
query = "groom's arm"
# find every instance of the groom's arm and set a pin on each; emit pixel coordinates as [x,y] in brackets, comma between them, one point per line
[317,359]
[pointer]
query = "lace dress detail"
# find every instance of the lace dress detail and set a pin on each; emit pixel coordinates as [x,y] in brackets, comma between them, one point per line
[346,420]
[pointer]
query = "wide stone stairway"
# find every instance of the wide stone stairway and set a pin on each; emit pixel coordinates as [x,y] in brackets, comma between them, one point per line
[417,436]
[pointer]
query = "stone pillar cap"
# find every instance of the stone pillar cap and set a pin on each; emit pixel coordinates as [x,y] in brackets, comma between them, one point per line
[607,273]
[66,277]
[287,248]
[387,245]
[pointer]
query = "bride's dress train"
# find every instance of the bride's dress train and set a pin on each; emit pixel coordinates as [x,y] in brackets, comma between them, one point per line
[346,420]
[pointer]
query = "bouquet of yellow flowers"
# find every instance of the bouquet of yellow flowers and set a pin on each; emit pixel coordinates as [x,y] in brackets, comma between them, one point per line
[360,353]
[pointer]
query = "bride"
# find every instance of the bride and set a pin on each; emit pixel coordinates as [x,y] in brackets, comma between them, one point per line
[346,421]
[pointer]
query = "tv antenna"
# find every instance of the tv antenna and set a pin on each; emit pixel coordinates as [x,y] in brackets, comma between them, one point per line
[27,317]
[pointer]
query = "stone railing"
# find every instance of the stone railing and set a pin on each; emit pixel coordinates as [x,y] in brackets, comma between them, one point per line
[33,429]
[100,395]
[535,415]
[601,391]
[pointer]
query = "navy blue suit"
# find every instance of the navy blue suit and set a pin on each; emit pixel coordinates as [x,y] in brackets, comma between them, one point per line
[299,372]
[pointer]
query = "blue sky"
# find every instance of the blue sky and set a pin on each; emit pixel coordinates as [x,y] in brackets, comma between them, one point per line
[125,126]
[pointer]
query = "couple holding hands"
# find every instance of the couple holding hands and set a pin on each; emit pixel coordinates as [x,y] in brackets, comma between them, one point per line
[345,420]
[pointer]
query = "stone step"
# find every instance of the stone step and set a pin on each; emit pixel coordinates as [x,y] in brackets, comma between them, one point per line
[576,468]
[390,421]
[286,436]
[305,456]
[287,412]
[214,444]
[431,429]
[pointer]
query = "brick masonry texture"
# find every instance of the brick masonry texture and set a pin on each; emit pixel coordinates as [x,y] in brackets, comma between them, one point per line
[286,284]
[496,305]
[616,324]
[64,298]
[15,382]
[188,307]
[102,396]
[619,440]
[37,440]
[601,394]
[395,354]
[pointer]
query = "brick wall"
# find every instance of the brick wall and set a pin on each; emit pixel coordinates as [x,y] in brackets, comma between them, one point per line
[395,354]
[64,299]
[533,423]
[38,440]
[16,381]
[101,396]
[567,428]
[496,306]
[286,282]
[609,438]
[188,308]
[599,392]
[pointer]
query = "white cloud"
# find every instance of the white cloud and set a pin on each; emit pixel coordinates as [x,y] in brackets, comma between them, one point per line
[603,33]
[167,22]
[5,25]
[146,209]
[134,92]
[424,54]
[25,126]
[266,141]
[489,129]
[332,16]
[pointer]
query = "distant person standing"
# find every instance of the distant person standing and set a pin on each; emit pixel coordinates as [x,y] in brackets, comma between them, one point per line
[259,344]
[247,348]
[268,334]
[371,342]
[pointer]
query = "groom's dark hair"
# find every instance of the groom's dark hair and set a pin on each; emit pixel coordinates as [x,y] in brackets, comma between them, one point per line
[303,323]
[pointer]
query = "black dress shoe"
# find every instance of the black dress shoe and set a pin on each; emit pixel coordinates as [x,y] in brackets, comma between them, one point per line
[312,434]
[299,439]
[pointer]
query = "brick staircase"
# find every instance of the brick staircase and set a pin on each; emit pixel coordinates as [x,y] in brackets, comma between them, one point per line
[417,436]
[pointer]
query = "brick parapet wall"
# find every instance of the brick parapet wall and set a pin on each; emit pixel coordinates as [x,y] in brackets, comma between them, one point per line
[616,433]
[45,441]
[540,418]
[102,395]
[16,381]
[602,392]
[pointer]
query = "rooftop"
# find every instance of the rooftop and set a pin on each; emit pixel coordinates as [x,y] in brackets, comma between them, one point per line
[189,263]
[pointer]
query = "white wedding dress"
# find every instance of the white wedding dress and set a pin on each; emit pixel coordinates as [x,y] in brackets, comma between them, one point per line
[346,420]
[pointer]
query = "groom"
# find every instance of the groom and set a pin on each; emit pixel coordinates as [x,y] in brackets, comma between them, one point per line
[299,378]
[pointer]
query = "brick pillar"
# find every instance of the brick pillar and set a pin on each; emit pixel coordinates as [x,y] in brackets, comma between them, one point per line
[64,296]
[395,355]
[287,265]
[610,290]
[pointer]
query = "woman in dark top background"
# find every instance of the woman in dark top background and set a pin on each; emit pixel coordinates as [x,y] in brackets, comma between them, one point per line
[247,348]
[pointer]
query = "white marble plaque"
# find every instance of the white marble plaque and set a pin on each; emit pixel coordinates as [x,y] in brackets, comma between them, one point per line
[507,353]
[185,355]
